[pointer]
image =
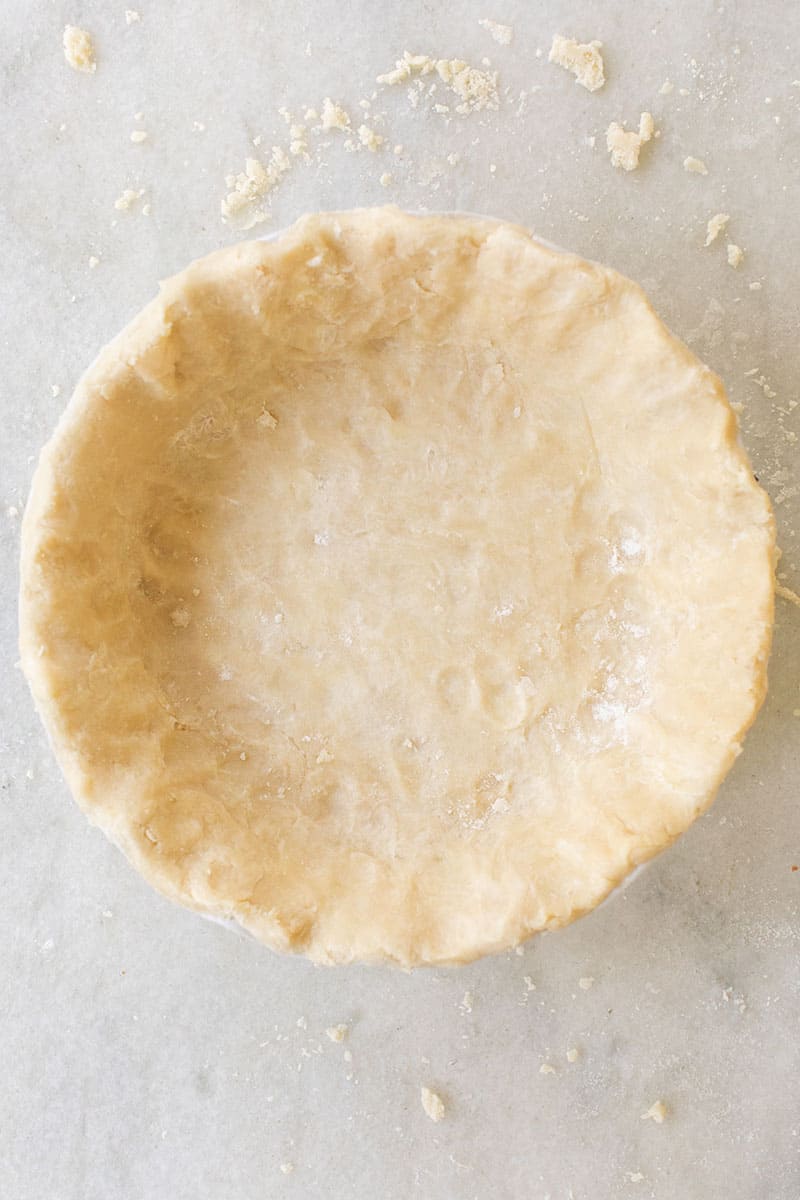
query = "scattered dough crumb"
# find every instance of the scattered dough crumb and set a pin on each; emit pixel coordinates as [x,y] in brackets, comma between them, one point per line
[755,286]
[180,617]
[55,390]
[624,145]
[585,982]
[502,34]
[583,59]
[337,1033]
[369,138]
[138,136]
[635,1176]
[334,116]
[131,16]
[287,1168]
[572,1055]
[127,199]
[656,1112]
[695,166]
[666,88]
[786,593]
[386,179]
[547,1069]
[251,186]
[735,254]
[93,261]
[466,1003]
[79,49]
[299,140]
[530,986]
[476,89]
[432,1103]
[715,226]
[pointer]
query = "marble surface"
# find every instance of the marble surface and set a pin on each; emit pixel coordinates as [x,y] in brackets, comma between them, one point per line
[148,1054]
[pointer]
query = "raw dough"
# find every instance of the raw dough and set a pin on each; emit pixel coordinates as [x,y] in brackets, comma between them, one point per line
[625,145]
[79,49]
[583,59]
[396,587]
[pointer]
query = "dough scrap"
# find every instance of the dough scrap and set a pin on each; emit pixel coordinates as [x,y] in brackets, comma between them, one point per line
[735,255]
[432,1103]
[583,59]
[502,34]
[625,145]
[475,89]
[395,587]
[79,49]
[715,226]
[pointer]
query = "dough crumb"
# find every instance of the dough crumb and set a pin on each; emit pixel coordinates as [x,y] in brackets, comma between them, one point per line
[547,1069]
[502,34]
[715,227]
[94,261]
[386,179]
[695,166]
[369,138]
[337,1033]
[333,116]
[287,1168]
[131,16]
[266,420]
[755,286]
[635,1176]
[585,982]
[252,185]
[735,255]
[583,59]
[180,617]
[666,88]
[432,1103]
[79,49]
[656,1112]
[786,593]
[530,986]
[324,756]
[466,1003]
[572,1055]
[476,89]
[138,136]
[624,145]
[128,198]
[55,390]
[299,140]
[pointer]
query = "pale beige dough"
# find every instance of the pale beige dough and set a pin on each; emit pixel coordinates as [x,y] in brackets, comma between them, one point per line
[396,587]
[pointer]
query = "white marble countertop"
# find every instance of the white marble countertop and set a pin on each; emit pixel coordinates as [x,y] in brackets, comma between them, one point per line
[147,1054]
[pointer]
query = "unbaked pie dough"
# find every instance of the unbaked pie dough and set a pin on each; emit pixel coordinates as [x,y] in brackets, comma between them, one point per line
[396,587]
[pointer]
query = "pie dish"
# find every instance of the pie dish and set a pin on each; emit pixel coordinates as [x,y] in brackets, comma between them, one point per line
[396,587]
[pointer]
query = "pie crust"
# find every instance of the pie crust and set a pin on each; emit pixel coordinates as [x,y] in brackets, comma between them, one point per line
[395,587]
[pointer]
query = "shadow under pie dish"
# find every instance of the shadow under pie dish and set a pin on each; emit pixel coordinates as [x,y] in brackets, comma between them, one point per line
[395,587]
